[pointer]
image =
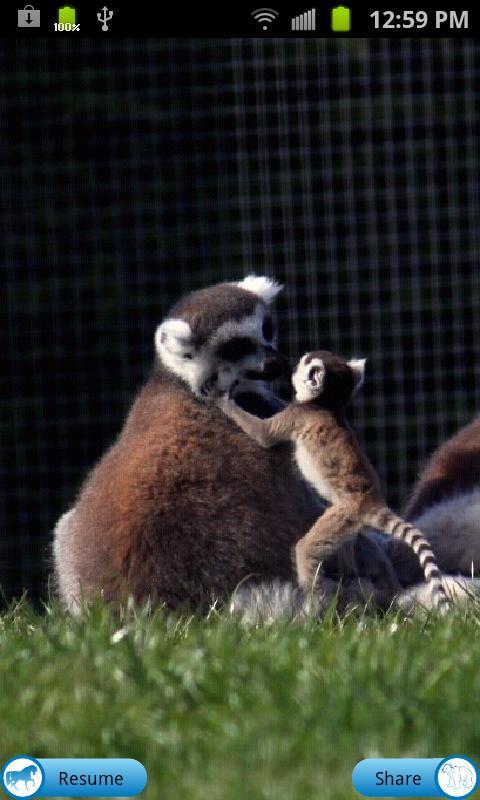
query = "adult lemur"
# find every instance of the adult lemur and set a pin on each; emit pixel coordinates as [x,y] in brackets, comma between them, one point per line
[445,502]
[331,460]
[184,507]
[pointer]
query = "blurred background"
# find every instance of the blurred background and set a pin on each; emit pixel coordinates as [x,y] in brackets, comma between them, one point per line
[134,171]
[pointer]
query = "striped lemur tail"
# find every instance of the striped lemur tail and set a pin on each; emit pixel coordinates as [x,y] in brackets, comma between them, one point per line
[386,520]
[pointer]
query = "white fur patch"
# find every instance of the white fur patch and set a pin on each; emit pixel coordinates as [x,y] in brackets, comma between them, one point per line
[306,389]
[266,603]
[357,365]
[310,472]
[172,342]
[265,288]
[68,584]
[455,520]
[249,327]
[172,335]
[460,591]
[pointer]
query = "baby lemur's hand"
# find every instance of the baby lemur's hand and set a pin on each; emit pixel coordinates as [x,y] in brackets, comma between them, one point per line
[227,405]
[209,390]
[224,400]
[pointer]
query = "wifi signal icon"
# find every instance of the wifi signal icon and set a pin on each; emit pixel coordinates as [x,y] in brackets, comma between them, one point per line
[264,16]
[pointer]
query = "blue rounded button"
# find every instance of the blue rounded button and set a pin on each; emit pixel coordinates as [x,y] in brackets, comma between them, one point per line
[23,776]
[396,777]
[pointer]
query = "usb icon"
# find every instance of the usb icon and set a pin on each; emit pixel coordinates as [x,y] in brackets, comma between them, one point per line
[104,16]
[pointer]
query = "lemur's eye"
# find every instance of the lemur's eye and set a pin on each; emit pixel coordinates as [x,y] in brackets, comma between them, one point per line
[235,349]
[267,329]
[188,356]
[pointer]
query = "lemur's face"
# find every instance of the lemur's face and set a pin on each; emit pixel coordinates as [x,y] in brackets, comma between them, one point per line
[322,374]
[221,338]
[307,378]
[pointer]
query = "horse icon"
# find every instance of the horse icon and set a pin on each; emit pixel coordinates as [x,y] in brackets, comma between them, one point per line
[458,777]
[25,775]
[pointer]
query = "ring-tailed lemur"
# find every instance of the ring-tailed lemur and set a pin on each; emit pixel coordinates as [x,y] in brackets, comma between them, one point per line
[445,502]
[183,507]
[332,461]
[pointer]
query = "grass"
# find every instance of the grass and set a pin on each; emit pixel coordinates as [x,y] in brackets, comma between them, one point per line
[218,711]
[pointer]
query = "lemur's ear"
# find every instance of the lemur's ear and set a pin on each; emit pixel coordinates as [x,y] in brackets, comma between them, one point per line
[174,336]
[315,375]
[357,365]
[265,288]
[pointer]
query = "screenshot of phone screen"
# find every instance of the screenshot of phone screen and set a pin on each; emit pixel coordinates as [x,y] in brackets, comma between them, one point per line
[240,504]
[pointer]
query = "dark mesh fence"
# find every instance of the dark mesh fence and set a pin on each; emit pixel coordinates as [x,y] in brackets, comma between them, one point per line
[134,171]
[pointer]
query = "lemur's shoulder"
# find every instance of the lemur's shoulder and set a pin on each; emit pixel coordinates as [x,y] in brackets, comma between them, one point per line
[453,468]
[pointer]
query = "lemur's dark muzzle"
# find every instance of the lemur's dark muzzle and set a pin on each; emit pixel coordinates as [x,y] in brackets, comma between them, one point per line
[274,366]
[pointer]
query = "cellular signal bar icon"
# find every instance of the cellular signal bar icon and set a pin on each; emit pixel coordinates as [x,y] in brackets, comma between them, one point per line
[305,22]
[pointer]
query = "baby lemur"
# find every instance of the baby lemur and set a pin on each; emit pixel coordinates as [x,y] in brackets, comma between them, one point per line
[331,459]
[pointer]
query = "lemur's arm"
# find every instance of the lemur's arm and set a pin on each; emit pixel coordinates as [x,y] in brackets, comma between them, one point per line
[266,432]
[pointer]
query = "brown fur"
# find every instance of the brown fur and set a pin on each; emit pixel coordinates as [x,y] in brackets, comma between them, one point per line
[444,503]
[331,458]
[183,508]
[453,468]
[158,517]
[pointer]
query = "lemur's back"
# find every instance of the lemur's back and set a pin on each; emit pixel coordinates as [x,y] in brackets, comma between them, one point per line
[445,501]
[453,468]
[328,452]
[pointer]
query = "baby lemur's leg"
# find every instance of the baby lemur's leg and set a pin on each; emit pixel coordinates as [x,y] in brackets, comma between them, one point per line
[331,530]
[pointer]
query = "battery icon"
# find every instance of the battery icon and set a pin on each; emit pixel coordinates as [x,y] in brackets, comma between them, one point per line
[67,15]
[340,19]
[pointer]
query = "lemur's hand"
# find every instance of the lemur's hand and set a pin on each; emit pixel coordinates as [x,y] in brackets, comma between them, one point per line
[226,404]
[224,399]
[209,389]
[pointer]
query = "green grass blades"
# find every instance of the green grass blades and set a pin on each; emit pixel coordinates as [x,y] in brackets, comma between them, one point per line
[215,710]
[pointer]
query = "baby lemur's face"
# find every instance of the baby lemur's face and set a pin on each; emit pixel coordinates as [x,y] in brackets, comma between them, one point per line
[325,376]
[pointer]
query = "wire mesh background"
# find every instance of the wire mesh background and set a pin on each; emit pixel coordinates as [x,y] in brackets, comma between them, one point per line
[137,170]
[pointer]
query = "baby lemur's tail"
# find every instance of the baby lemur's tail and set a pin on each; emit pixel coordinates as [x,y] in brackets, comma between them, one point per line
[386,520]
